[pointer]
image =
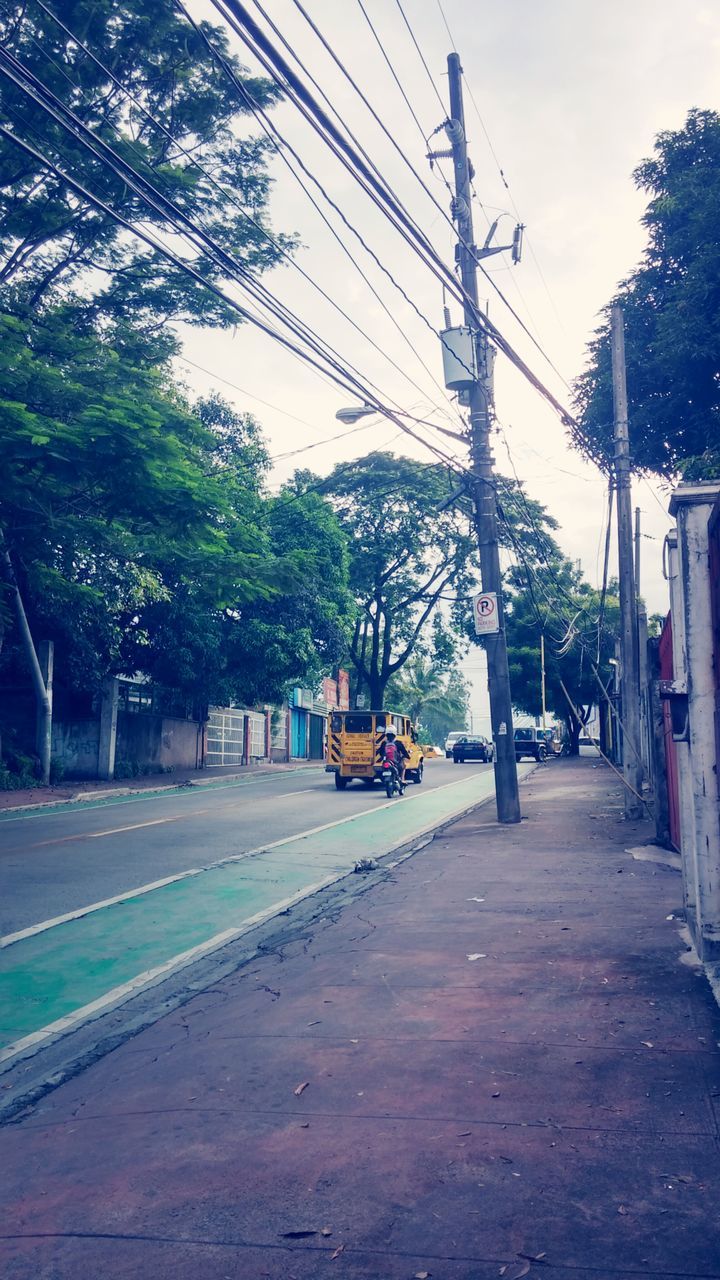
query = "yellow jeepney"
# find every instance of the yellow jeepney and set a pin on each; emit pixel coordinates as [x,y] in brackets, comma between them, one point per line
[354,744]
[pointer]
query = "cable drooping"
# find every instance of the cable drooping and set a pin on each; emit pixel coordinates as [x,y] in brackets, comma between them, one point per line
[278,68]
[228,195]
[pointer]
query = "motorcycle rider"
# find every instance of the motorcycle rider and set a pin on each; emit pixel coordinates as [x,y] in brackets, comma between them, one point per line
[395,753]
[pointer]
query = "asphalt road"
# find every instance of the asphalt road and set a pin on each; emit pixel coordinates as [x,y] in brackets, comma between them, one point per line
[57,861]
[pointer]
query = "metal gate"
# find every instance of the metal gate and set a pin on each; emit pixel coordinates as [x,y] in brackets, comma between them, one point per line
[225,737]
[257,731]
[298,733]
[317,737]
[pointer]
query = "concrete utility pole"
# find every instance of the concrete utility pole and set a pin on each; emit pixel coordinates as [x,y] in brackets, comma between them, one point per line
[632,767]
[480,403]
[542,678]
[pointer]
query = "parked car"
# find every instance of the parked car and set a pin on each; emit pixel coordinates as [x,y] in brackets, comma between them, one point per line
[473,747]
[451,740]
[530,742]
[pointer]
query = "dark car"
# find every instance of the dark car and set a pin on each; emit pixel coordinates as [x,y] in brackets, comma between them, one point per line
[530,742]
[473,747]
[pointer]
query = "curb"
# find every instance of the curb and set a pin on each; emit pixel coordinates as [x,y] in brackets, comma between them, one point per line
[210,968]
[83,797]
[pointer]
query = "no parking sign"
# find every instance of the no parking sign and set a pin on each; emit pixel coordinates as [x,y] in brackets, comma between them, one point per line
[485,613]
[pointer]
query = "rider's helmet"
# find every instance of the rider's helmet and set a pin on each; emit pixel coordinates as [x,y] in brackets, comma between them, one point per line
[390,734]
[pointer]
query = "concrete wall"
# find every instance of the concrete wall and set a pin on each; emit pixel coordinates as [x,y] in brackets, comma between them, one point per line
[156,742]
[75,744]
[691,506]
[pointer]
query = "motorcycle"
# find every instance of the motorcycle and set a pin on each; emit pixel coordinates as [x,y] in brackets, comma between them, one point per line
[391,782]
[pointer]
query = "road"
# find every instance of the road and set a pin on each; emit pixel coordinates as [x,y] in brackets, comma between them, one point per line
[54,861]
[102,899]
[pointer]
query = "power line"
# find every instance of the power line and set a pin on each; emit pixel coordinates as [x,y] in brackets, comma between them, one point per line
[189,269]
[283,147]
[487,274]
[501,172]
[278,68]
[149,194]
[224,191]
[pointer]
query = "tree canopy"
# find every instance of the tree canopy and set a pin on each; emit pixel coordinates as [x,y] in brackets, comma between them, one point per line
[579,627]
[435,697]
[149,61]
[139,527]
[671,308]
[406,557]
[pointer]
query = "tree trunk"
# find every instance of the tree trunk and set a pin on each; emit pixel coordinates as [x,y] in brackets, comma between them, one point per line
[573,732]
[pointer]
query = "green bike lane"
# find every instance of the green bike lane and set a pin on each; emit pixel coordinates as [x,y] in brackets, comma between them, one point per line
[53,980]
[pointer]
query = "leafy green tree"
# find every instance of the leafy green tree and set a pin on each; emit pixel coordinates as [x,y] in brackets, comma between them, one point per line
[436,699]
[139,527]
[671,306]
[579,630]
[154,63]
[406,558]
[114,494]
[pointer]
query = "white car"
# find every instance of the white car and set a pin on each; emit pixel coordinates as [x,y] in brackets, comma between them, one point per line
[451,740]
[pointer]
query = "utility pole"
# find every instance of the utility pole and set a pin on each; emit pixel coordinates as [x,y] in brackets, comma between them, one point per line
[637,554]
[542,677]
[632,767]
[480,404]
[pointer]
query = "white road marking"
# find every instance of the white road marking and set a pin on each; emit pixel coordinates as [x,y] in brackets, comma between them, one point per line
[95,906]
[10,938]
[151,976]
[135,826]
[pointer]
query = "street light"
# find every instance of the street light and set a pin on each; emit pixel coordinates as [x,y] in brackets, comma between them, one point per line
[355,413]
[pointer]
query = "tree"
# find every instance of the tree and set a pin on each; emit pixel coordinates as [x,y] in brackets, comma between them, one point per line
[112,497]
[139,527]
[579,627]
[149,61]
[435,698]
[671,306]
[406,557]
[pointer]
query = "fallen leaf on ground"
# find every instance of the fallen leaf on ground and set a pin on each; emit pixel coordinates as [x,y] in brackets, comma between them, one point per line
[533,1257]
[340,1249]
[314,1024]
[515,1270]
[326,1231]
[648,1043]
[306,1125]
[301,1088]
[476,899]
[477,955]
[622,1210]
[421,1275]
[466,1133]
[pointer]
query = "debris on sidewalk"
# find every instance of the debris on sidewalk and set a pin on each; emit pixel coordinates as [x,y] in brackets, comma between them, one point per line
[451,1118]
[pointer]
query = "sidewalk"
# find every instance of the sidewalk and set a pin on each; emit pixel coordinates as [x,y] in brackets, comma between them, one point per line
[493,1063]
[88,790]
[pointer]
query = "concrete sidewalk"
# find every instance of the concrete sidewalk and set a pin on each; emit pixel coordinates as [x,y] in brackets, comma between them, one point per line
[498,1061]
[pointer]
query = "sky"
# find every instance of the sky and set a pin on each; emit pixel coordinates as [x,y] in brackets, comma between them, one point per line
[563,98]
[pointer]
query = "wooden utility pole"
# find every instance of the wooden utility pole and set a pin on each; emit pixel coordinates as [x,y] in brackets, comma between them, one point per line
[632,768]
[484,497]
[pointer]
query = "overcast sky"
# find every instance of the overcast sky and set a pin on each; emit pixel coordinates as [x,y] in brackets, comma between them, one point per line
[571,95]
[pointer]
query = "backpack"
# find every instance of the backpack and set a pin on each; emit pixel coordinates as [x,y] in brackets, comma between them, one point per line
[391,752]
